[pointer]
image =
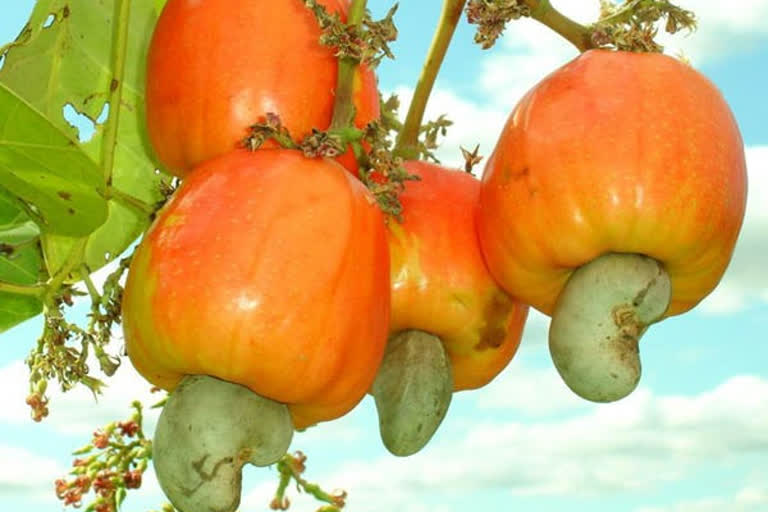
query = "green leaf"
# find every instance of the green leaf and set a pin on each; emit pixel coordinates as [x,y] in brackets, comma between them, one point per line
[120,494]
[15,309]
[70,63]
[24,266]
[43,167]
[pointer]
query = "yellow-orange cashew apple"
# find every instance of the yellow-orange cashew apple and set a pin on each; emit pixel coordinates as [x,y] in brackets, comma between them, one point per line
[259,297]
[452,327]
[613,198]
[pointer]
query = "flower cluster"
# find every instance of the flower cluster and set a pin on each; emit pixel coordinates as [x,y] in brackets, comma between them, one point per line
[62,352]
[291,467]
[110,465]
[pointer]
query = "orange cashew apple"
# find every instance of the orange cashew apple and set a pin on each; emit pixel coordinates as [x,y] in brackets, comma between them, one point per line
[215,68]
[265,277]
[613,198]
[452,327]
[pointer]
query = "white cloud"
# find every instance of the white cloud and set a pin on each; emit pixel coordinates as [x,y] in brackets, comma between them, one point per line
[638,443]
[26,474]
[748,499]
[722,30]
[529,392]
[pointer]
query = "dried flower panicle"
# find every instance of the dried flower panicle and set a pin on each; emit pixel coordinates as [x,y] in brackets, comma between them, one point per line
[378,35]
[381,171]
[630,26]
[633,25]
[322,144]
[268,127]
[429,132]
[471,158]
[367,43]
[492,16]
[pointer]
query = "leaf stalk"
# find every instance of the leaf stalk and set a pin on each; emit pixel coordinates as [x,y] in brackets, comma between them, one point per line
[37,291]
[115,95]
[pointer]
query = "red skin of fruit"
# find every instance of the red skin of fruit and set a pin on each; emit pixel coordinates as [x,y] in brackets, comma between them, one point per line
[614,152]
[268,270]
[216,67]
[440,283]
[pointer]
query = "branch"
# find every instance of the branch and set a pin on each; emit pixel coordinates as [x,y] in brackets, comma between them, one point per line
[407,141]
[343,107]
[577,34]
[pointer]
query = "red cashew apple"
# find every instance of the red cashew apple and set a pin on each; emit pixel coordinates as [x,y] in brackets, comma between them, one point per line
[217,67]
[260,297]
[452,327]
[613,198]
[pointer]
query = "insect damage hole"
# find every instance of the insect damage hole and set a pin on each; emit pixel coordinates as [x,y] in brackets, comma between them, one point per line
[85,126]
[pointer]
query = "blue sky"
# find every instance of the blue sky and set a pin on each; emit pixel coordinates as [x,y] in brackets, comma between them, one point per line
[692,438]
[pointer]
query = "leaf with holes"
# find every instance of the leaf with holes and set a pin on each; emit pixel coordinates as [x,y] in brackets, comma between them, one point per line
[21,262]
[63,59]
[41,166]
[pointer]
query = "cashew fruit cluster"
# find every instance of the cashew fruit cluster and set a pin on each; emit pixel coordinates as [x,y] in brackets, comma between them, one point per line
[271,293]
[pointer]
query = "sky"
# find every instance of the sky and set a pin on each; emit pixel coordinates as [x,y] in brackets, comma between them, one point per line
[692,438]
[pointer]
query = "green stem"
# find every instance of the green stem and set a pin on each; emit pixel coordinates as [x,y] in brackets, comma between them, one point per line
[74,259]
[344,107]
[284,482]
[577,34]
[129,200]
[115,97]
[37,291]
[407,141]
[288,469]
[85,274]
